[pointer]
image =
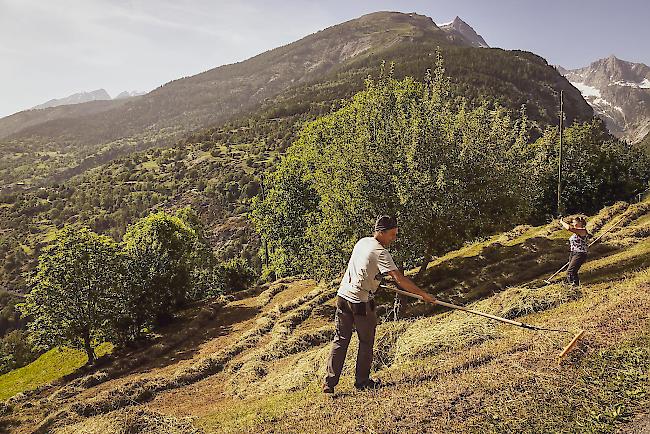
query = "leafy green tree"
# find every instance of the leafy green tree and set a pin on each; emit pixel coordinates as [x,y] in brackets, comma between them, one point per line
[158,250]
[73,291]
[15,351]
[597,168]
[449,172]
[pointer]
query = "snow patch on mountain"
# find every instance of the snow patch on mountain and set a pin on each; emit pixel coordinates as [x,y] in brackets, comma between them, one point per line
[645,84]
[585,89]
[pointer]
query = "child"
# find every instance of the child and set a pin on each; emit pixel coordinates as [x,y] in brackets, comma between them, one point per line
[578,243]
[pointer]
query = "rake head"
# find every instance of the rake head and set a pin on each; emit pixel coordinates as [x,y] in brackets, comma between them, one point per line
[569,347]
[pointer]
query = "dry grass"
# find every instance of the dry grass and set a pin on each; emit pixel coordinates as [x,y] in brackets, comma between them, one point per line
[597,222]
[131,421]
[510,383]
[634,212]
[514,233]
[519,301]
[454,372]
[265,297]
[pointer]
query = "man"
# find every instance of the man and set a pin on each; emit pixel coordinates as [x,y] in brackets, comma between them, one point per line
[355,306]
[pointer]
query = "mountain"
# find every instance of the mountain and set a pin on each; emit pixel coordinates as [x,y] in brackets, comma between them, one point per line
[127,94]
[619,92]
[77,98]
[460,29]
[328,65]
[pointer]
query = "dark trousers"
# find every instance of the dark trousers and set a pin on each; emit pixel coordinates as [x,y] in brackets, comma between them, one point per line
[576,259]
[361,316]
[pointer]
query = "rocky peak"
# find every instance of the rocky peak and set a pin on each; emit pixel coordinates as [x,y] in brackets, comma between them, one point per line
[619,92]
[77,98]
[458,27]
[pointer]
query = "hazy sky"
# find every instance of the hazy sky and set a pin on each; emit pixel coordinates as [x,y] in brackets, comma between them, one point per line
[54,48]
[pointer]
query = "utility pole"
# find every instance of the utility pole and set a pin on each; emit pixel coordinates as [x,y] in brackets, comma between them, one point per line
[559,162]
[264,243]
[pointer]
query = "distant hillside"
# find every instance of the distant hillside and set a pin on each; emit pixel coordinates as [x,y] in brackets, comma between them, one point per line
[55,144]
[254,361]
[77,98]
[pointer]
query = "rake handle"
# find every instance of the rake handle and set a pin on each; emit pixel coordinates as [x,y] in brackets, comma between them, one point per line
[475,312]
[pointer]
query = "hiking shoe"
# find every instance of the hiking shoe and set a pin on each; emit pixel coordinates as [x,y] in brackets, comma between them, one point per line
[327,389]
[368,384]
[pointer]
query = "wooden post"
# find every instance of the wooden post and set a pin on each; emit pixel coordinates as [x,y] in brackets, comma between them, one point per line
[559,163]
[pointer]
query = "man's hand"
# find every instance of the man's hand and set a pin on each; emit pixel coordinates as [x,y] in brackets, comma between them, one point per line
[407,284]
[429,298]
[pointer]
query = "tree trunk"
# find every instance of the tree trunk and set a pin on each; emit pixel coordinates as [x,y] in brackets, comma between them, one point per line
[90,352]
[423,266]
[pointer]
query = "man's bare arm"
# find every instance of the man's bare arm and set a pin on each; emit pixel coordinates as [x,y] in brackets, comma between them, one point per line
[407,285]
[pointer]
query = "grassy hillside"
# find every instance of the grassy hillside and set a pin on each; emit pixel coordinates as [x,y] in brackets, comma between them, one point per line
[253,362]
[302,78]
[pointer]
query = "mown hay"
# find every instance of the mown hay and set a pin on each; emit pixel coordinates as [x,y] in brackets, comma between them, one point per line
[301,342]
[265,297]
[516,232]
[455,330]
[385,339]
[634,212]
[144,390]
[604,216]
[449,331]
[519,301]
[625,237]
[131,421]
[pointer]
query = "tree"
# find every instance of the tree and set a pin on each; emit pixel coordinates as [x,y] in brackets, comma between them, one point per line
[158,261]
[15,351]
[597,169]
[448,171]
[73,291]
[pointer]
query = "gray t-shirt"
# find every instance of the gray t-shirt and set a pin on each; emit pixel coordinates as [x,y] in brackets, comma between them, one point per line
[369,258]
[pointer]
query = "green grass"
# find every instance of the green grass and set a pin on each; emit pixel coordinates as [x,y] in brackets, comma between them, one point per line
[611,384]
[49,367]
[250,413]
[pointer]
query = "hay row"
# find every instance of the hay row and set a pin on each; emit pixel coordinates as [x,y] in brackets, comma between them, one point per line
[516,232]
[144,390]
[265,297]
[455,330]
[280,343]
[634,212]
[247,293]
[132,420]
[605,215]
[520,301]
[321,289]
[640,232]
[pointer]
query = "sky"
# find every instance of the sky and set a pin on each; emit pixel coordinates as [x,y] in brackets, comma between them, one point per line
[55,48]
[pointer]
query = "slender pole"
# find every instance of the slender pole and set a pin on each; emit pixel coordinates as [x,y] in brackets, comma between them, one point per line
[559,162]
[265,244]
[475,312]
[569,347]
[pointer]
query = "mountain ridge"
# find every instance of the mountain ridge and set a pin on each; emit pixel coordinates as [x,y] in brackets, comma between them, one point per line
[465,31]
[77,98]
[619,92]
[212,97]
